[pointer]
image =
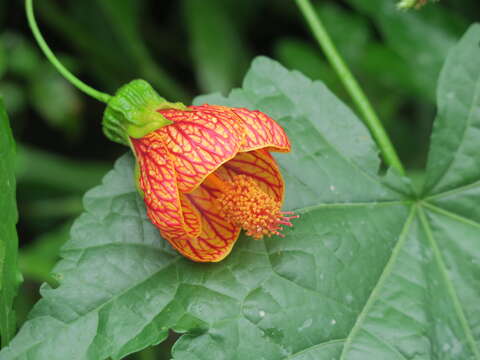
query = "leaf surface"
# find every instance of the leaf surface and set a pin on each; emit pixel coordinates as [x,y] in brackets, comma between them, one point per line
[367,272]
[8,232]
[425,304]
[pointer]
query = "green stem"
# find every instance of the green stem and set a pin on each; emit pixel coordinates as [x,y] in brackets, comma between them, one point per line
[348,80]
[100,96]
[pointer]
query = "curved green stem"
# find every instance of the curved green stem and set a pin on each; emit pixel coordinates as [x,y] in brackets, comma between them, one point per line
[348,80]
[103,97]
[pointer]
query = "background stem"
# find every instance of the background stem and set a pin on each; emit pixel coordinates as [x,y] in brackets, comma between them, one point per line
[359,98]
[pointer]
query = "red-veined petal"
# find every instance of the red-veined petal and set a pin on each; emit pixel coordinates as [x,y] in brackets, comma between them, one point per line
[260,166]
[168,211]
[218,235]
[200,140]
[261,131]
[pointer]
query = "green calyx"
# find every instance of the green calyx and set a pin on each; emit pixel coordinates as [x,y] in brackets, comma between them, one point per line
[133,112]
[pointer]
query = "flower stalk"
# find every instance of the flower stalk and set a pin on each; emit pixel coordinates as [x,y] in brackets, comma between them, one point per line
[358,96]
[79,84]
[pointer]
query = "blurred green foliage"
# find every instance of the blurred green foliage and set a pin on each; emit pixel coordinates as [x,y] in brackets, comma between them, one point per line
[185,48]
[10,278]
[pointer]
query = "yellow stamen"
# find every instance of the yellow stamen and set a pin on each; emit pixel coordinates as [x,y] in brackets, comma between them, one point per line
[244,204]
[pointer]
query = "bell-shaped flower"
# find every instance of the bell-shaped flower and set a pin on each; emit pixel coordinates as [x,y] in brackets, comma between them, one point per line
[207,173]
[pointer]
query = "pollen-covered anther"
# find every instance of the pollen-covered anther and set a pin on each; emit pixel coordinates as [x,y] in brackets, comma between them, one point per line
[246,205]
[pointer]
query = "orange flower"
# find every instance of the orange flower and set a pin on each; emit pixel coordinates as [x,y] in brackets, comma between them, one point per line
[209,174]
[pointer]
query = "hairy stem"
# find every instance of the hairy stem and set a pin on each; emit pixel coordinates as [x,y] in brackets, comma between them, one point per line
[359,98]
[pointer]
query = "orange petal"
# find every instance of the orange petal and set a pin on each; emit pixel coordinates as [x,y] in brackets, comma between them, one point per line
[200,140]
[191,223]
[260,166]
[175,218]
[218,236]
[262,131]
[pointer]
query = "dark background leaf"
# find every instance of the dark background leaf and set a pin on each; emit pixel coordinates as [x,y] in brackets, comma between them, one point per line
[216,44]
[8,233]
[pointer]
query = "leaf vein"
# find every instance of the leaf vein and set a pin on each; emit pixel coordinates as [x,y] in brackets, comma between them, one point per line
[450,288]
[316,346]
[452,215]
[475,98]
[375,293]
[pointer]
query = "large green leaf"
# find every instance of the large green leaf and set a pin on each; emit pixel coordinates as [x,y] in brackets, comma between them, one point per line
[453,160]
[368,271]
[8,232]
[425,304]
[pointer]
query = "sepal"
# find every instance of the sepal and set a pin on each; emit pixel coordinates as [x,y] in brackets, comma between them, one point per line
[133,112]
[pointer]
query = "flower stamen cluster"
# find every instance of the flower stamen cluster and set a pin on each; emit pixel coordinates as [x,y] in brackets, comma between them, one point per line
[207,174]
[244,204]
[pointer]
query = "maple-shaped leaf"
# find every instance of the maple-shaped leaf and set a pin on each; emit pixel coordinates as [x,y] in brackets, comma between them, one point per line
[371,270]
